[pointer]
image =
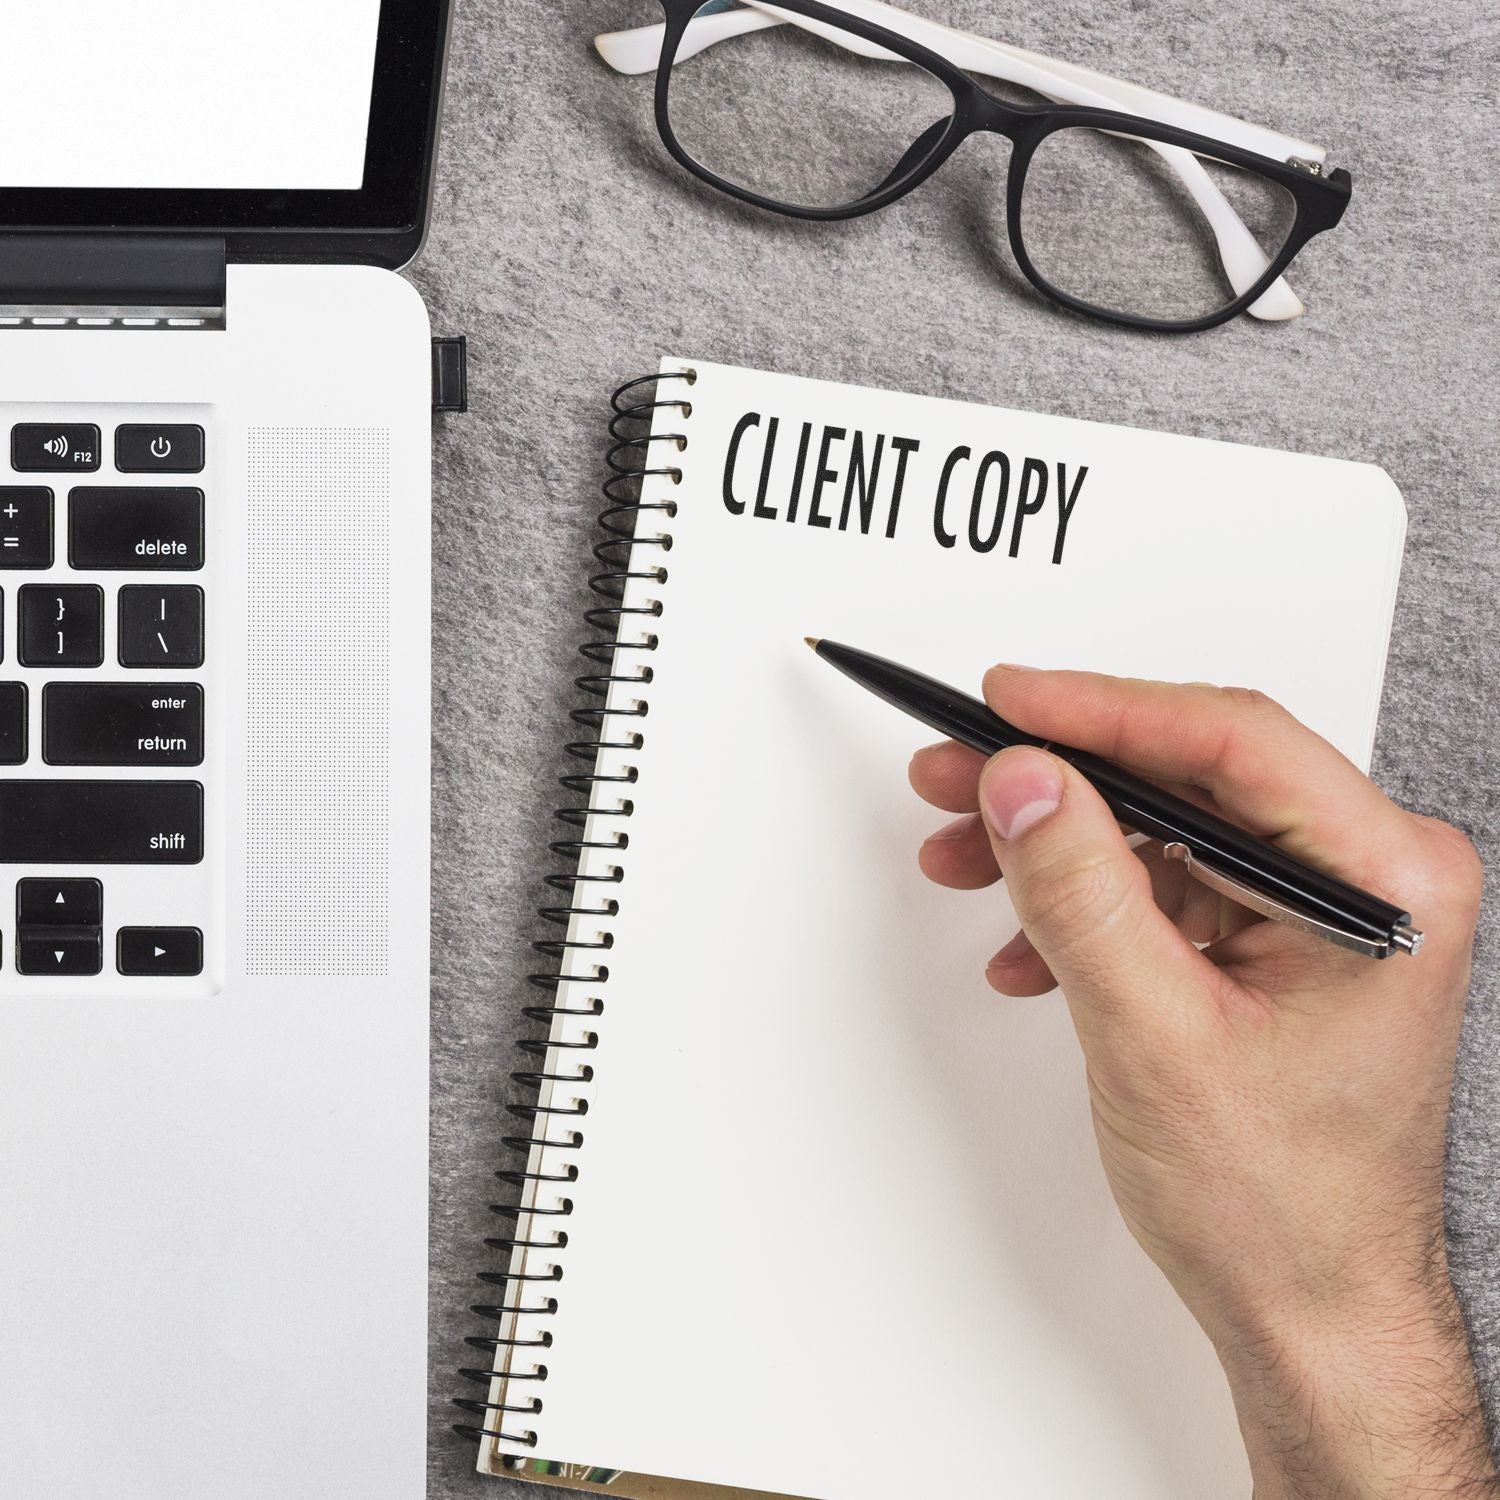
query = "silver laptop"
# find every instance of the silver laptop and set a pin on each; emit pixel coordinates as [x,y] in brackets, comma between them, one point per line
[215,408]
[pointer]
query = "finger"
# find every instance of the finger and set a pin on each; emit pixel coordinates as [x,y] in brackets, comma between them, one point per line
[947,776]
[1266,959]
[1234,918]
[1086,903]
[1018,969]
[959,856]
[1265,770]
[1169,880]
[1201,915]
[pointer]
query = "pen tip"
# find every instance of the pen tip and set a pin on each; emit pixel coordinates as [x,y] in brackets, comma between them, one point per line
[812,641]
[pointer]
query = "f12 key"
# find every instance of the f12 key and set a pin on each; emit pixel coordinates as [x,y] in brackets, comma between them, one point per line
[52,447]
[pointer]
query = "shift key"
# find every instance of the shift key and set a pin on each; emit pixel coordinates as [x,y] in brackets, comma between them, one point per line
[137,528]
[101,822]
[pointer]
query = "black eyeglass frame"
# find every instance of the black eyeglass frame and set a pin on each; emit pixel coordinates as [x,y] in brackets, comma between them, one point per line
[1319,200]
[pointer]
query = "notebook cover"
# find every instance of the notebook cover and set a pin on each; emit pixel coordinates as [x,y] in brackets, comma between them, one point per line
[590,1479]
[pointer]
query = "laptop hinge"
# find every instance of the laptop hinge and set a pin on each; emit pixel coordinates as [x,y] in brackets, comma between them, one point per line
[111,280]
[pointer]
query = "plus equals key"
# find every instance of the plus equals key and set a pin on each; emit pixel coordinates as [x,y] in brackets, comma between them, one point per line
[25,526]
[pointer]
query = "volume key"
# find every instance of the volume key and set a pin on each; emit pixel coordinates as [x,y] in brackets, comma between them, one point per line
[54,447]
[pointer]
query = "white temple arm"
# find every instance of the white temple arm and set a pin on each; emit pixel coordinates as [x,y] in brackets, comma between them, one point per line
[637,51]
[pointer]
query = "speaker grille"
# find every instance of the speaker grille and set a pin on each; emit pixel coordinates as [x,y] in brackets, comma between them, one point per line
[318,770]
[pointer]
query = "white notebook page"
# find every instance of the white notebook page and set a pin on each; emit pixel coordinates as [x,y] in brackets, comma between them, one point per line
[840,1221]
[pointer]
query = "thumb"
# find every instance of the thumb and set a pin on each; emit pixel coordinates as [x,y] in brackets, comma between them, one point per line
[1083,897]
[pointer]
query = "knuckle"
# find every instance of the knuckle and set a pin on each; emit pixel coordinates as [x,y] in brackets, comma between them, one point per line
[1462,869]
[1245,697]
[1256,719]
[1240,763]
[1253,712]
[1252,700]
[1076,897]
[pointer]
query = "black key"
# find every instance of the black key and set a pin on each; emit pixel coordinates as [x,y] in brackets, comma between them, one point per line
[101,822]
[51,447]
[135,528]
[64,950]
[59,903]
[158,449]
[161,626]
[25,526]
[159,950]
[62,625]
[13,746]
[122,724]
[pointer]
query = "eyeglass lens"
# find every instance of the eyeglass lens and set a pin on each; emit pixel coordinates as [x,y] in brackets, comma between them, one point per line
[790,116]
[1146,229]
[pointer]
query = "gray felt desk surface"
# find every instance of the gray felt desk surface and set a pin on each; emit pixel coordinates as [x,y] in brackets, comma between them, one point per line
[573,254]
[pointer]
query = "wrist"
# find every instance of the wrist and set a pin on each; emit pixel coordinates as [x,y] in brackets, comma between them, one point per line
[1374,1399]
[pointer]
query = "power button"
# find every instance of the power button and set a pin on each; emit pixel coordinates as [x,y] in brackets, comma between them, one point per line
[158,449]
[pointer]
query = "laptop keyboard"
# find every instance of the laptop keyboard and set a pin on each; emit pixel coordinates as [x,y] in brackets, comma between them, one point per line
[108,760]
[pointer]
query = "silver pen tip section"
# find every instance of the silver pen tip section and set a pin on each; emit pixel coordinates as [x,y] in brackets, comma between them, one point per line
[1406,938]
[812,641]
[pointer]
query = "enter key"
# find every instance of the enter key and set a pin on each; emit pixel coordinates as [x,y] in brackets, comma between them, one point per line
[122,724]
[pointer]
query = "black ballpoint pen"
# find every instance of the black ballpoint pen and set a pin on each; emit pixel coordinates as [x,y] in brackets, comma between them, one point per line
[1237,864]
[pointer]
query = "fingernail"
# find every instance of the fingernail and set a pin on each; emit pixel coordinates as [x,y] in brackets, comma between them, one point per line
[1011,666]
[1013,952]
[1018,790]
[954,830]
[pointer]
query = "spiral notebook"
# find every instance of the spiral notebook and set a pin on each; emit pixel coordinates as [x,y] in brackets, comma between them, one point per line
[804,1208]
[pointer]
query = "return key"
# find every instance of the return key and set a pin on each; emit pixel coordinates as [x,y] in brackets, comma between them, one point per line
[122,724]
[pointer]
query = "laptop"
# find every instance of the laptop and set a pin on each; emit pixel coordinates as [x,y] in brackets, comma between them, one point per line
[215,440]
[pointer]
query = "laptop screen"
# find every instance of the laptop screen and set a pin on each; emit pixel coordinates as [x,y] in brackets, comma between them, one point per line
[186,93]
[294,129]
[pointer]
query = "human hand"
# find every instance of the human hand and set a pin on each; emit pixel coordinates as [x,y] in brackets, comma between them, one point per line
[1270,1110]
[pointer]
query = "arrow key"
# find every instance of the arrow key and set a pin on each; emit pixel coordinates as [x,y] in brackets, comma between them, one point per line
[57,950]
[59,903]
[159,951]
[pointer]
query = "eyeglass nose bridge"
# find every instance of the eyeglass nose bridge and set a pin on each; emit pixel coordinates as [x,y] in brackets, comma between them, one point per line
[975,112]
[981,112]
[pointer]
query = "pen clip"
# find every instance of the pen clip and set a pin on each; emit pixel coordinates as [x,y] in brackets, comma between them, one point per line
[1268,906]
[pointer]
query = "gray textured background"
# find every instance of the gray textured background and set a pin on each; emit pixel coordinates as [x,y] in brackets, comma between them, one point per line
[573,254]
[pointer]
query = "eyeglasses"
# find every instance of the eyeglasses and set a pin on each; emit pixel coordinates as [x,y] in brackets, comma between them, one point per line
[1121,203]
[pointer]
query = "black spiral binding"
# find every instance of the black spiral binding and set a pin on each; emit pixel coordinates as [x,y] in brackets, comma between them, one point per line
[631,463]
